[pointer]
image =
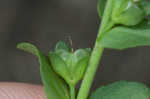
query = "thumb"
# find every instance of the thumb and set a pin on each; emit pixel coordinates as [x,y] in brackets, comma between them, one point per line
[21,91]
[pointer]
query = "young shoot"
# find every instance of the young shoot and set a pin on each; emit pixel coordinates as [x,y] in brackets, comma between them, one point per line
[124,24]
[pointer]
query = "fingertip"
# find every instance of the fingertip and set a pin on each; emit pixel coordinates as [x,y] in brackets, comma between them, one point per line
[21,91]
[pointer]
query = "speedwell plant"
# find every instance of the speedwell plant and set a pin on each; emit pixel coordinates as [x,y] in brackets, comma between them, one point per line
[124,24]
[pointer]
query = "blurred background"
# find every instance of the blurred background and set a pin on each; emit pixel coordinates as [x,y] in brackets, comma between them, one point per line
[43,23]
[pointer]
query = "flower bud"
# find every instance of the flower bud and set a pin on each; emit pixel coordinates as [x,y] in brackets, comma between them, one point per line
[127,12]
[69,65]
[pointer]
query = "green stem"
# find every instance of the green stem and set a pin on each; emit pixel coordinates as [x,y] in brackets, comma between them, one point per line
[72,92]
[97,52]
[88,78]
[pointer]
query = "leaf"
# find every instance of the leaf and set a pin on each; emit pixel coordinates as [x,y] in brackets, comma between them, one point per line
[65,56]
[54,86]
[101,6]
[80,68]
[81,53]
[146,6]
[122,90]
[121,37]
[60,66]
[70,66]
[28,48]
[127,12]
[61,45]
[80,61]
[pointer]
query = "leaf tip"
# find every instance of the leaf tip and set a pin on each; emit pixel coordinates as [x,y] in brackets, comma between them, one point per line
[28,47]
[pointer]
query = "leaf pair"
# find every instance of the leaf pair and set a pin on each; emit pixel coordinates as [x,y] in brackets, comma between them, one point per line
[135,28]
[69,65]
[62,63]
[126,12]
[144,4]
[54,86]
[122,90]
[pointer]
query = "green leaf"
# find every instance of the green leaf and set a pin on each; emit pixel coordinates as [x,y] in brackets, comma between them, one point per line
[60,66]
[101,6]
[65,56]
[54,86]
[127,12]
[80,61]
[61,45]
[122,90]
[70,65]
[80,68]
[81,53]
[28,48]
[146,6]
[121,37]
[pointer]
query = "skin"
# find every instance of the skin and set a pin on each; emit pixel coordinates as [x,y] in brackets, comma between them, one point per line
[21,91]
